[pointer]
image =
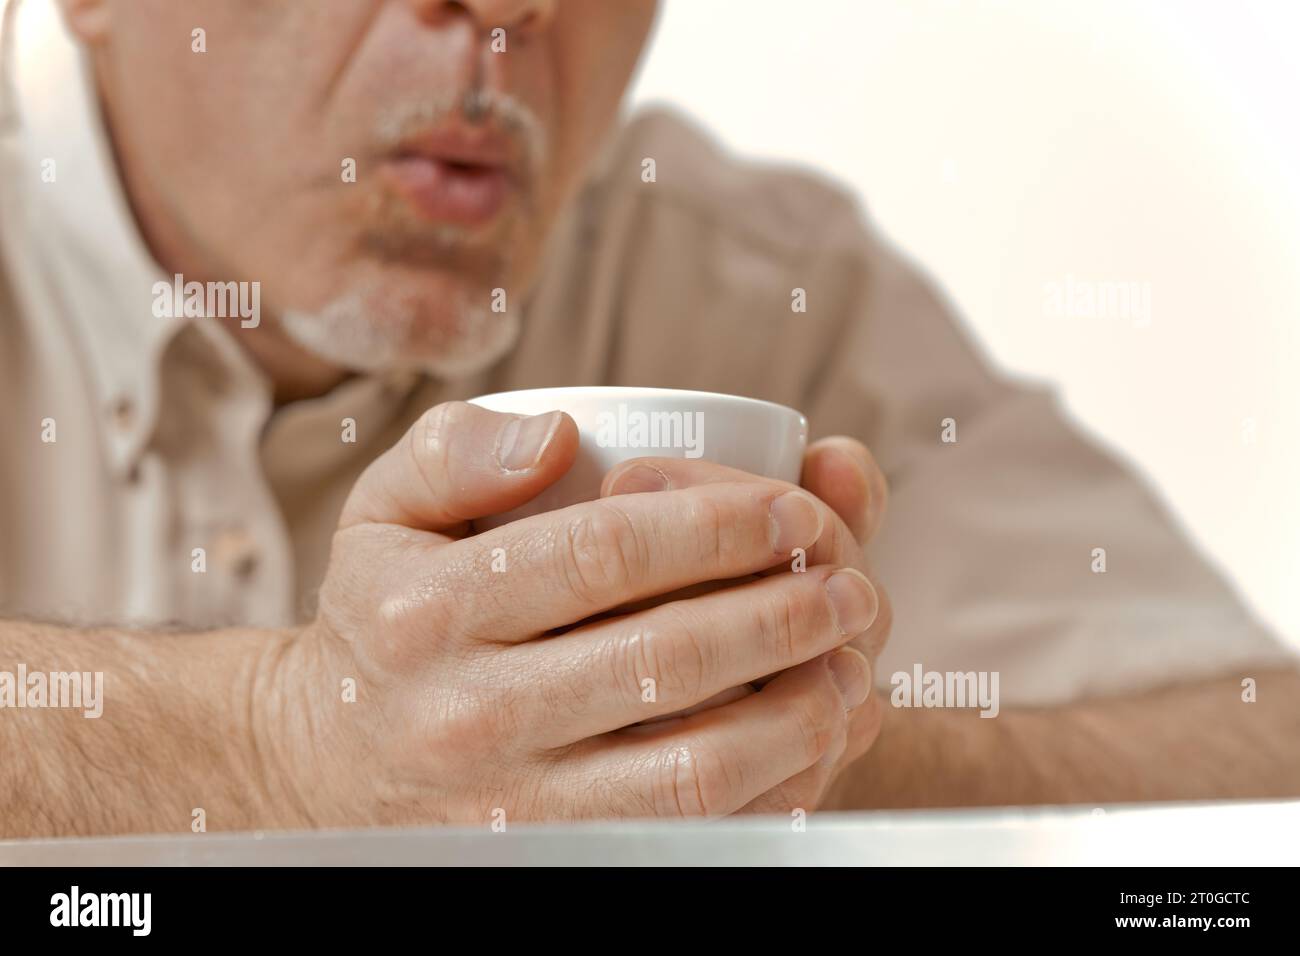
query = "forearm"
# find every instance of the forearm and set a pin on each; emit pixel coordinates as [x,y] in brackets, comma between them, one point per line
[1189,742]
[181,719]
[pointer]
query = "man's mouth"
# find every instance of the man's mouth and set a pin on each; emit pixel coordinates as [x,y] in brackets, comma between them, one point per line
[455,175]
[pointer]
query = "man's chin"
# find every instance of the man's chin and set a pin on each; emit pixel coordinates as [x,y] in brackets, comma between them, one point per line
[372,333]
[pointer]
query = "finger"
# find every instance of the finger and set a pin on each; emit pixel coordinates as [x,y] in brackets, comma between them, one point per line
[551,570]
[717,761]
[839,470]
[679,655]
[808,789]
[717,700]
[804,790]
[459,462]
[835,545]
[872,641]
[843,473]
[865,723]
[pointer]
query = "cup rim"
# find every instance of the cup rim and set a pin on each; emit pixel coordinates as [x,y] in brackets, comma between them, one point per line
[631,391]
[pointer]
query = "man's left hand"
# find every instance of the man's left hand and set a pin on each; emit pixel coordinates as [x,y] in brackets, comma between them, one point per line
[848,484]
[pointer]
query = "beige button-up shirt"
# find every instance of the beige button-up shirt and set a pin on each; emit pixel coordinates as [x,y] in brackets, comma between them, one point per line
[130,442]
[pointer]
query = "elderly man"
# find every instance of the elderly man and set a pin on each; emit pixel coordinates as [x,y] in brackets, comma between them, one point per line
[251,507]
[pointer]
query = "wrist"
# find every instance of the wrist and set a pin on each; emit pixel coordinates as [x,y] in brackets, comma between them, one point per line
[279,740]
[298,747]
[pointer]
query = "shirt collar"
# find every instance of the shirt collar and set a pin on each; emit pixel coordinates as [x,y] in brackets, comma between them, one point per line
[80,225]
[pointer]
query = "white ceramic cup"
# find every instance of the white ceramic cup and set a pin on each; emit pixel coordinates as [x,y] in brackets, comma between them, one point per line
[616,424]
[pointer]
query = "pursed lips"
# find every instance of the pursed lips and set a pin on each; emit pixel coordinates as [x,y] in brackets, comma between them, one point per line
[454,174]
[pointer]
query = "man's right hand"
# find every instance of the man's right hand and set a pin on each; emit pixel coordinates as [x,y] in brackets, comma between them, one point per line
[468,705]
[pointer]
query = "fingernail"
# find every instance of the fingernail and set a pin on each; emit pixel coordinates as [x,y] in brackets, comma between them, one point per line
[522,441]
[640,478]
[796,522]
[853,601]
[852,676]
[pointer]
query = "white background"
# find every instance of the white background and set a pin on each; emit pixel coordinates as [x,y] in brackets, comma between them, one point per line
[1008,144]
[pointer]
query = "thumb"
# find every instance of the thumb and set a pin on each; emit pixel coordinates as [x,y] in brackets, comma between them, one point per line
[460,462]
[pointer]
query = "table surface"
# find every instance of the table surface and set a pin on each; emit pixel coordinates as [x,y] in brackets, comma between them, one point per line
[1206,834]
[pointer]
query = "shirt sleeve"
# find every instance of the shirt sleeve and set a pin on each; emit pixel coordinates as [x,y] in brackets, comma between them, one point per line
[1019,544]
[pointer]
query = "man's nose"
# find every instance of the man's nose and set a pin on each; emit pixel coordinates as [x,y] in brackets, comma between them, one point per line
[518,17]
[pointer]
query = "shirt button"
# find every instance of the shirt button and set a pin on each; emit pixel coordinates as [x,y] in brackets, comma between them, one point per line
[122,412]
[214,380]
[236,551]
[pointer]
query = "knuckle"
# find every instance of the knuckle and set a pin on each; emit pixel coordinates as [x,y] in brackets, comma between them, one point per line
[392,620]
[630,662]
[815,720]
[707,521]
[431,439]
[454,734]
[398,621]
[603,555]
[672,651]
[474,720]
[382,591]
[714,524]
[786,622]
[691,783]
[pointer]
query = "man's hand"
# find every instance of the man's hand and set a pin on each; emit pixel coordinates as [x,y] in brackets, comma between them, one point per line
[852,496]
[475,691]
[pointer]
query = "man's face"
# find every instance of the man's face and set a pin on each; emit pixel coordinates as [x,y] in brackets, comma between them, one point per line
[238,159]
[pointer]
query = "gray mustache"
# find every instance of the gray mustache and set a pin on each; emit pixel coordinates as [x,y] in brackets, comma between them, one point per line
[476,106]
